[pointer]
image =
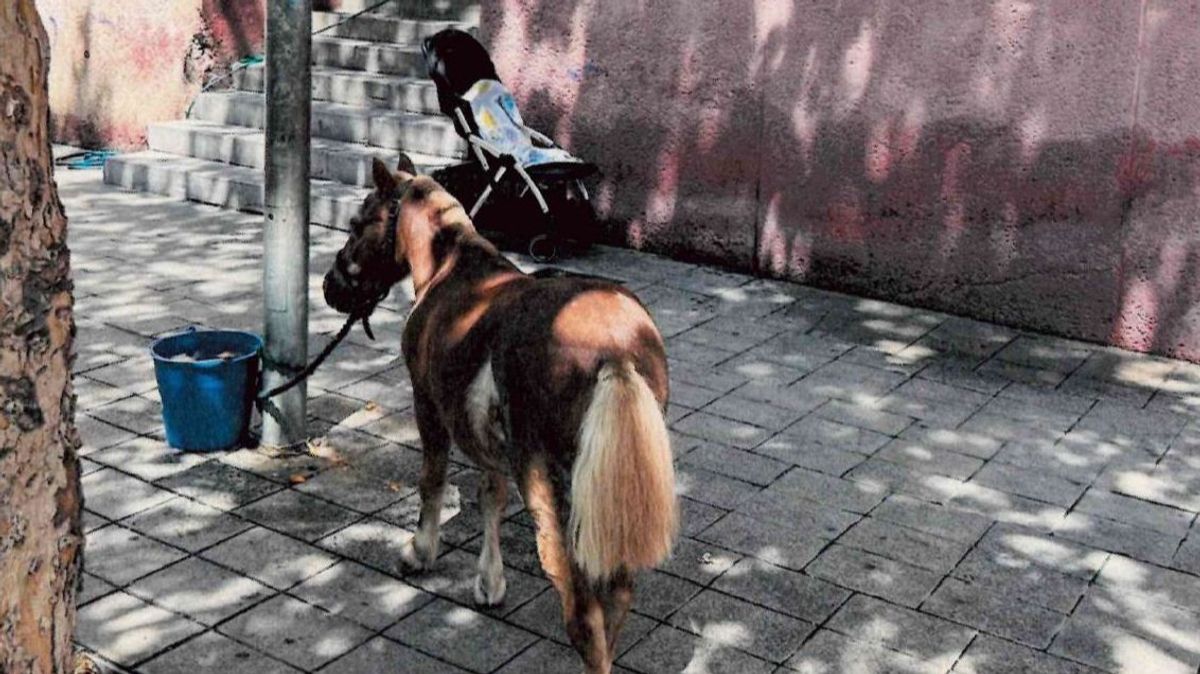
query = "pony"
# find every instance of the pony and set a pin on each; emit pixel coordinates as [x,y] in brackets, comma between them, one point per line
[558,384]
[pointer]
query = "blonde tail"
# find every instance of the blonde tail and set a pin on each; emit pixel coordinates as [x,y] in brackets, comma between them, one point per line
[623,509]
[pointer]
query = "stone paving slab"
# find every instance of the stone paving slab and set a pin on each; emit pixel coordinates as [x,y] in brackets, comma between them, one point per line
[270,558]
[1003,615]
[932,640]
[788,547]
[668,649]
[730,621]
[829,651]
[113,494]
[384,655]
[213,652]
[543,615]
[120,556]
[905,545]
[147,458]
[219,485]
[365,596]
[989,655]
[200,590]
[462,636]
[127,630]
[297,633]
[865,487]
[187,524]
[872,574]
[1135,626]
[93,588]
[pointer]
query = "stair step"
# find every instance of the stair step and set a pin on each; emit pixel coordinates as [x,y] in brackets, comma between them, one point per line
[347,163]
[350,87]
[367,56]
[234,187]
[377,28]
[393,130]
[466,11]
[371,98]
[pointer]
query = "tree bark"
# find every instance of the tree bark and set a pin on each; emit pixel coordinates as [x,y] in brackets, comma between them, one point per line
[41,538]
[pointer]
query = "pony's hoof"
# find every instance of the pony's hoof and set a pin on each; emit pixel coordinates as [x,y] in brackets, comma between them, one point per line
[493,597]
[412,560]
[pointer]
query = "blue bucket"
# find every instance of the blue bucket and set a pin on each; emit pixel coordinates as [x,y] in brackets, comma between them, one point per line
[207,380]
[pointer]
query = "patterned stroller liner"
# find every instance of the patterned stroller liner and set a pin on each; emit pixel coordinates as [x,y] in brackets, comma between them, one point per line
[500,124]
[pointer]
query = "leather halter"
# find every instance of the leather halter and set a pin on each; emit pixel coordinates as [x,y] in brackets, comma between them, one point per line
[389,241]
[393,224]
[367,306]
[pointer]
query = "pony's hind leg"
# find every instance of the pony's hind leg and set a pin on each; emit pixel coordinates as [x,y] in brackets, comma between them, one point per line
[582,609]
[420,550]
[585,627]
[617,600]
[493,497]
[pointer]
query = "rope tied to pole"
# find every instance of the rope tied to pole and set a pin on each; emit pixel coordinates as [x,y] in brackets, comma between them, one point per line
[362,315]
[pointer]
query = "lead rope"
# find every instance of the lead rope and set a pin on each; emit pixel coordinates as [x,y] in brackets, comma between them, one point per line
[363,315]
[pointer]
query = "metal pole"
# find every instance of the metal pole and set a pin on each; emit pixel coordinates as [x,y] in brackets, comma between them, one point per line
[285,230]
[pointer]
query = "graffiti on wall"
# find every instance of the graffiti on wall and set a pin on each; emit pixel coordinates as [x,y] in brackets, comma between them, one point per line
[1027,164]
[119,65]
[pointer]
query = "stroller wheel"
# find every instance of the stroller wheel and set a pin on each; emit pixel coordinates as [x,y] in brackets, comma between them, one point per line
[542,248]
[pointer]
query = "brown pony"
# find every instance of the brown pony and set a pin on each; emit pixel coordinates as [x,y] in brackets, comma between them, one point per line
[557,383]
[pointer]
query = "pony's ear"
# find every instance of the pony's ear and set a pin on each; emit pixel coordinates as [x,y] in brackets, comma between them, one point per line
[406,168]
[385,180]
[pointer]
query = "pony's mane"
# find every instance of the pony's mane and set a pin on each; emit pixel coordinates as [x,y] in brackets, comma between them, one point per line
[453,232]
[451,223]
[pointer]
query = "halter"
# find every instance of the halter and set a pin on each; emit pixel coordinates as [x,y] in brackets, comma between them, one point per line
[389,239]
[393,223]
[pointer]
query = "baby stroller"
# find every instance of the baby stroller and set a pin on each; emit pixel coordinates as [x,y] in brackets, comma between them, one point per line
[500,145]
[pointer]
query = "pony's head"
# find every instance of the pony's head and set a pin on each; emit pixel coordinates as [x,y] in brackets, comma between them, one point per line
[373,259]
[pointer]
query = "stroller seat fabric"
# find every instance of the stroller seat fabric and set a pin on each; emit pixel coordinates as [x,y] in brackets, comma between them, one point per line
[499,122]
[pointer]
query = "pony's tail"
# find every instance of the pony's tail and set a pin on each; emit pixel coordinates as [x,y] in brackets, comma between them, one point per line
[623,508]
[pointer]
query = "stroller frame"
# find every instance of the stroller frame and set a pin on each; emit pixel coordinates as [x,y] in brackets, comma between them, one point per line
[483,149]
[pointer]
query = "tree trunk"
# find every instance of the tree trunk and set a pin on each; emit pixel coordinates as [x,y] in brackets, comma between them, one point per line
[41,538]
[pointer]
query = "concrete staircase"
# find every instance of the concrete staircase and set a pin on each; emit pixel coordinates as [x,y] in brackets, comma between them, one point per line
[371,98]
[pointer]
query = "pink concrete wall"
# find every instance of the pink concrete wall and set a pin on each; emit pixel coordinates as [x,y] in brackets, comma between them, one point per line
[117,65]
[1031,163]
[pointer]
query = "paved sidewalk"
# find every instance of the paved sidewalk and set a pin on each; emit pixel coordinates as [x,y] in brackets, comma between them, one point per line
[866,487]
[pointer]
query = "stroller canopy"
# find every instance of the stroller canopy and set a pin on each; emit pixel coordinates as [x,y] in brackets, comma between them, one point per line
[456,61]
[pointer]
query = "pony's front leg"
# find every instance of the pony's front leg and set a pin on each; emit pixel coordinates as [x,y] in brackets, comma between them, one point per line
[493,497]
[420,550]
